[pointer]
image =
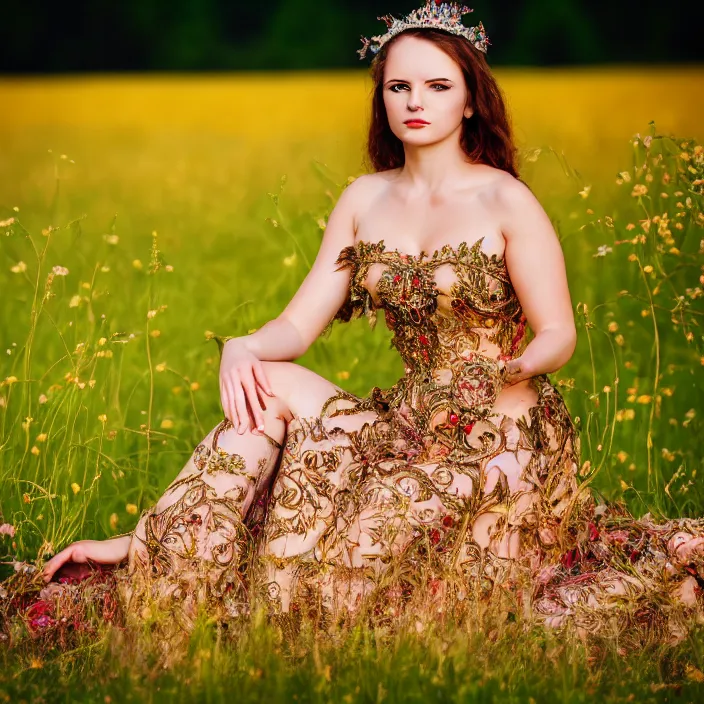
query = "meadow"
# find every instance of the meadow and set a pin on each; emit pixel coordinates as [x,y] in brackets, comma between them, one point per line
[141,216]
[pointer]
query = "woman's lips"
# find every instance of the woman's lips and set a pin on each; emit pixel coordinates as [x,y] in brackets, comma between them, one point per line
[416,123]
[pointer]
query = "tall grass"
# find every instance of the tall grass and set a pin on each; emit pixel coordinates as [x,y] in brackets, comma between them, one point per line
[108,378]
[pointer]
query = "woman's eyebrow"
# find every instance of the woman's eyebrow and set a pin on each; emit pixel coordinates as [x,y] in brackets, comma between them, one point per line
[430,80]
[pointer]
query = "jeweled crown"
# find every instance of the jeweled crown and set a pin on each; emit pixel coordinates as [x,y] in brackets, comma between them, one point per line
[446,16]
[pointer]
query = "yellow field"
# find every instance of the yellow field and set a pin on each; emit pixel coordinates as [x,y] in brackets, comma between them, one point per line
[586,112]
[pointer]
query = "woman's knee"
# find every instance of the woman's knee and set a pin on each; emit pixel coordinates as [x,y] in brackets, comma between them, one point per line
[302,391]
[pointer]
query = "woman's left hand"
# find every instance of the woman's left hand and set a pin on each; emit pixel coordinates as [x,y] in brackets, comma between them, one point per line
[515,371]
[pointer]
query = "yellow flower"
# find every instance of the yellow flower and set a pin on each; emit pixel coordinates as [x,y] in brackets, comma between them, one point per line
[43,399]
[75,487]
[155,333]
[131,509]
[644,398]
[624,486]
[10,380]
[622,456]
[75,301]
[113,521]
[613,326]
[35,450]
[42,437]
[290,260]
[103,418]
[137,264]
[343,375]
[161,366]
[639,190]
[19,268]
[167,424]
[195,386]
[102,341]
[648,269]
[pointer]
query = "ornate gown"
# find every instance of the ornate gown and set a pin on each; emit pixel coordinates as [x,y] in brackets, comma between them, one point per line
[447,489]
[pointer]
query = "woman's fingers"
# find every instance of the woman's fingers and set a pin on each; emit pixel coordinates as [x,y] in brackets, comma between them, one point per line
[231,406]
[241,405]
[254,404]
[261,377]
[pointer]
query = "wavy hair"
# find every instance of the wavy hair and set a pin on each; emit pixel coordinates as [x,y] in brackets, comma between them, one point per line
[486,136]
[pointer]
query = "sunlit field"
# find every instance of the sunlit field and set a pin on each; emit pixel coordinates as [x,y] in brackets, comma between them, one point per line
[141,216]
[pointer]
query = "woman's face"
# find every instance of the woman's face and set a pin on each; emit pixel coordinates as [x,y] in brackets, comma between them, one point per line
[421,82]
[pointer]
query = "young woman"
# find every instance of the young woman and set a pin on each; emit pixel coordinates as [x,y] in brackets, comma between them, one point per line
[461,479]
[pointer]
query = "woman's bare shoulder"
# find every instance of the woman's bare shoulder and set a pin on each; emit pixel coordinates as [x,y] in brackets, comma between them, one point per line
[366,188]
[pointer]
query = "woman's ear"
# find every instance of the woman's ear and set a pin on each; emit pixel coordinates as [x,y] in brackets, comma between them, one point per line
[468,111]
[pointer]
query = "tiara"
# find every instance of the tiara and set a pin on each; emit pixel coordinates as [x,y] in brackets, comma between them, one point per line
[446,16]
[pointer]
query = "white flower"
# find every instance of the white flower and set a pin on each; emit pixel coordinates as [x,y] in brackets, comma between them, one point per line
[60,271]
[7,529]
[603,250]
[18,268]
[111,239]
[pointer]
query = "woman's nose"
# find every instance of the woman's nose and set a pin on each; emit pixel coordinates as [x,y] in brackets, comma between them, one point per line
[414,101]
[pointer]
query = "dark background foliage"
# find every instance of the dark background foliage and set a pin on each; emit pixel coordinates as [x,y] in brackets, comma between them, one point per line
[190,35]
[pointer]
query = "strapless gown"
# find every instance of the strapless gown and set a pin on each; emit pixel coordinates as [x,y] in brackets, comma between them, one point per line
[447,490]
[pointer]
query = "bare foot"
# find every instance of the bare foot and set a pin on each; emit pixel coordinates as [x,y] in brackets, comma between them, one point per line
[106,552]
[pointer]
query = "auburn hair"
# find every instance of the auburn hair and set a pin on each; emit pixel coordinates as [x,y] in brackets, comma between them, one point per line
[486,136]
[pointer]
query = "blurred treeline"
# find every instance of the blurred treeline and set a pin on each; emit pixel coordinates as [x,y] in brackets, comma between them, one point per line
[131,35]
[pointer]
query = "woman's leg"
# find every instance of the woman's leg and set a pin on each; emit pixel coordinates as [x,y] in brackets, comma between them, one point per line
[197,532]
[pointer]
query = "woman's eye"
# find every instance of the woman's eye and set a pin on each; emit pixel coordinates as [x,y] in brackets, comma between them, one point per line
[442,87]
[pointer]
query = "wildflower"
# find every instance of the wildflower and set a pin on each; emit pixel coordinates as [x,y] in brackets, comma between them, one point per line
[161,367]
[155,333]
[137,264]
[102,341]
[644,398]
[168,268]
[75,301]
[167,424]
[113,521]
[622,456]
[620,340]
[75,487]
[103,418]
[585,191]
[42,437]
[668,455]
[603,250]
[291,260]
[9,380]
[321,223]
[343,375]
[7,223]
[18,268]
[639,190]
[60,271]
[131,509]
[35,450]
[613,326]
[648,269]
[7,529]
[111,239]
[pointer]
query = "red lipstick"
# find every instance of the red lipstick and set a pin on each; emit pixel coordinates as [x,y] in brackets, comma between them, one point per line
[416,122]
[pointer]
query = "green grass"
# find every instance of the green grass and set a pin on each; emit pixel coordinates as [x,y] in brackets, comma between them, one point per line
[122,398]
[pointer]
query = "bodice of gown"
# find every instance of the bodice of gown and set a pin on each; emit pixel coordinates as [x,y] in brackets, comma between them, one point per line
[455,319]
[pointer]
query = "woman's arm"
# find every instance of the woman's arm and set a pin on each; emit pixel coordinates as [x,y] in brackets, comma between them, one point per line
[536,265]
[321,293]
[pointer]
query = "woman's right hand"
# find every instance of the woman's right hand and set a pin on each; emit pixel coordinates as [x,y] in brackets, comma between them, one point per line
[241,377]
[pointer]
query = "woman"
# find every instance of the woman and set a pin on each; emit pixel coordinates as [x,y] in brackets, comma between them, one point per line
[460,480]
